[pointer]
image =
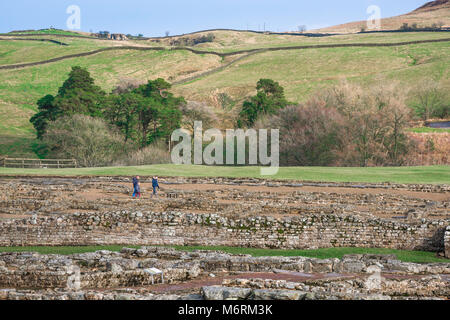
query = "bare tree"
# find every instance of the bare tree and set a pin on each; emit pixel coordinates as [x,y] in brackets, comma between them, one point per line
[126,85]
[302,28]
[198,111]
[88,140]
[310,134]
[376,121]
[430,100]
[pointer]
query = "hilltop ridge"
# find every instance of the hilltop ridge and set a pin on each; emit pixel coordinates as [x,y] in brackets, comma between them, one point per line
[434,5]
[435,13]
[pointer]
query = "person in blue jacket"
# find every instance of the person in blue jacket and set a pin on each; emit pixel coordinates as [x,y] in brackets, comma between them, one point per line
[155,185]
[136,187]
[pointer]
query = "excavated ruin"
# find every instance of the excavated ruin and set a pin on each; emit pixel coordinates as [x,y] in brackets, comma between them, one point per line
[37,211]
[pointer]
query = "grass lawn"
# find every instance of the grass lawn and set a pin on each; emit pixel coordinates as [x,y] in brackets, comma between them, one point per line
[431,174]
[429,130]
[403,255]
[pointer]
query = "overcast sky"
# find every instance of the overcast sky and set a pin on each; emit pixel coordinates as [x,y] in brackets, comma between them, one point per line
[154,18]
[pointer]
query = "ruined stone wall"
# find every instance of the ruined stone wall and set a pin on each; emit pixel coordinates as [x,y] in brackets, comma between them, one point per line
[439,188]
[447,242]
[127,268]
[306,231]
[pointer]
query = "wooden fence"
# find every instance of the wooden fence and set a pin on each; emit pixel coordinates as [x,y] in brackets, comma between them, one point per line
[37,163]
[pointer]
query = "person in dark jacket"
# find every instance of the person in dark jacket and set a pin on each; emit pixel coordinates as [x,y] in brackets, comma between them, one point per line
[155,185]
[136,187]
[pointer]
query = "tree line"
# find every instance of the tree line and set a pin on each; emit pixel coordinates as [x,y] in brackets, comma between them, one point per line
[132,117]
[345,125]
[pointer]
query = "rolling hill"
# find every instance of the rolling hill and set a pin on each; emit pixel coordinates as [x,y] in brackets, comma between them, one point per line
[433,12]
[222,72]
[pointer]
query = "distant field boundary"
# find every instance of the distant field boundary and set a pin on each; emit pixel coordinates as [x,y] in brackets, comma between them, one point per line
[220,54]
[90,53]
[35,39]
[47,35]
[212,71]
[306,34]
[295,34]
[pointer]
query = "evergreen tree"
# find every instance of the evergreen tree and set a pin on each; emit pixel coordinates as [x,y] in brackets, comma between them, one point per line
[47,112]
[77,95]
[80,95]
[160,111]
[268,100]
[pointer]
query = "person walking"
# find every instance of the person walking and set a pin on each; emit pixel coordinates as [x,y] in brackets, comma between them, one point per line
[136,187]
[155,185]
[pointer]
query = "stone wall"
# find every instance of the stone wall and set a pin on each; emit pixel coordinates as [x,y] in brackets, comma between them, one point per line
[105,269]
[306,231]
[447,242]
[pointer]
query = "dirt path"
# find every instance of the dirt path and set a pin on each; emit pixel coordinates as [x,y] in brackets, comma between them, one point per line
[285,190]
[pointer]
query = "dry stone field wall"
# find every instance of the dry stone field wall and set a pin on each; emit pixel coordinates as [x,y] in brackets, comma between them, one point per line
[198,275]
[231,212]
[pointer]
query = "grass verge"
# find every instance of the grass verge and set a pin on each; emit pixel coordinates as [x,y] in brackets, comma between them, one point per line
[403,255]
[428,174]
[326,253]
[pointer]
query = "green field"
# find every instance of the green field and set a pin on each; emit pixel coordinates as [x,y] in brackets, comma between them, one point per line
[429,130]
[300,72]
[47,32]
[431,174]
[403,255]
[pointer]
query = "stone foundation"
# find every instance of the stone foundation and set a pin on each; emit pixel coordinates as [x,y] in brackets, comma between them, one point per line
[105,275]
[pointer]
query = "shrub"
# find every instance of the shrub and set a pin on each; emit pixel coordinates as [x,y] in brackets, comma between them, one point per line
[430,100]
[405,27]
[198,111]
[376,119]
[192,41]
[429,149]
[310,134]
[88,140]
[156,153]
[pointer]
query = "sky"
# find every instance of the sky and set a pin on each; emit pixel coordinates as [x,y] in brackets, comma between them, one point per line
[154,18]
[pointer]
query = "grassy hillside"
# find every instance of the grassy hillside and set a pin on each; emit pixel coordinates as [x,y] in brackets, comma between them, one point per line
[433,12]
[229,41]
[431,174]
[23,51]
[301,72]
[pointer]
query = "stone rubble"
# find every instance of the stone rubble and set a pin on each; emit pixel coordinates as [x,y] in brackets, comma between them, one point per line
[83,211]
[83,276]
